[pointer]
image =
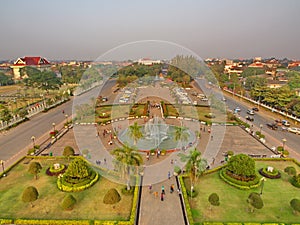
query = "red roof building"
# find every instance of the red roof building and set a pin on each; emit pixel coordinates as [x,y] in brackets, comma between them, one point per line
[37,62]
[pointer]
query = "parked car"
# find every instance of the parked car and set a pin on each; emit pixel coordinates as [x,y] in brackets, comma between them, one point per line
[285,123]
[250,112]
[250,118]
[255,109]
[237,109]
[272,126]
[294,130]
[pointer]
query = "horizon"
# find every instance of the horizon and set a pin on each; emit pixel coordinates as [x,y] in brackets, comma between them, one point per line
[212,29]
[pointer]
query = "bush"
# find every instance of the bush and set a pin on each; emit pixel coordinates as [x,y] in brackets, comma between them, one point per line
[295,204]
[68,151]
[241,167]
[192,194]
[274,175]
[68,202]
[112,197]
[30,194]
[124,191]
[290,170]
[295,181]
[214,199]
[255,200]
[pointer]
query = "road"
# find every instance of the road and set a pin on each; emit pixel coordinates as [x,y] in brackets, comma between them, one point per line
[260,118]
[39,126]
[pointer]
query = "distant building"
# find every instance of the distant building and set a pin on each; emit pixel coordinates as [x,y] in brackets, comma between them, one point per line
[148,62]
[233,68]
[37,62]
[275,83]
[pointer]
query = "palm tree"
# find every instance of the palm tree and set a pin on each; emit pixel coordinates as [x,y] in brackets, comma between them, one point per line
[135,132]
[126,159]
[195,165]
[181,134]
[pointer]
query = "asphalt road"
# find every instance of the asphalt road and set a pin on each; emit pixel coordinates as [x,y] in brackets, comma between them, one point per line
[260,118]
[18,138]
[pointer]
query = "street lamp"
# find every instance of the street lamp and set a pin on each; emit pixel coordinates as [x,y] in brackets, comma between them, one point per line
[283,142]
[260,128]
[53,124]
[33,141]
[2,164]
[262,184]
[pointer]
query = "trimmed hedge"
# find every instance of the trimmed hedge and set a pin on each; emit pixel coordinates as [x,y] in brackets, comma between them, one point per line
[52,172]
[52,222]
[186,201]
[237,183]
[264,172]
[77,187]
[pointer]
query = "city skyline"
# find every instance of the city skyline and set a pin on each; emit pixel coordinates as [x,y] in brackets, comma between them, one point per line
[86,30]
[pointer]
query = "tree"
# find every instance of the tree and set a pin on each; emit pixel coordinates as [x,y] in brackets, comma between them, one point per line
[181,134]
[30,194]
[78,169]
[252,72]
[295,204]
[68,202]
[242,165]
[255,201]
[135,132]
[126,159]
[195,165]
[34,168]
[68,151]
[255,82]
[5,80]
[5,114]
[290,170]
[214,199]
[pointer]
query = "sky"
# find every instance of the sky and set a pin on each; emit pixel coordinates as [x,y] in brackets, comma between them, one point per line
[85,30]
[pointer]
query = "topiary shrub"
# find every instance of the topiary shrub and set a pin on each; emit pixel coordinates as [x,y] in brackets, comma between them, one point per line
[30,194]
[241,167]
[214,199]
[112,197]
[34,168]
[295,181]
[68,202]
[295,204]
[68,151]
[275,174]
[290,170]
[255,201]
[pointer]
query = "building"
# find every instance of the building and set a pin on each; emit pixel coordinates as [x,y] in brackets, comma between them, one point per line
[148,62]
[37,62]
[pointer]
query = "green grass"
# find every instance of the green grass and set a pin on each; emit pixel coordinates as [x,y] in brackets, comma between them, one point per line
[277,193]
[89,202]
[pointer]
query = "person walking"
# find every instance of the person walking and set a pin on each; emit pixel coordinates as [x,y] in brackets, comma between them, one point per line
[163,189]
[150,188]
[169,175]
[162,196]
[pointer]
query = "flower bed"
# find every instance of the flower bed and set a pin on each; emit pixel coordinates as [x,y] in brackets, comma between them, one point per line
[272,175]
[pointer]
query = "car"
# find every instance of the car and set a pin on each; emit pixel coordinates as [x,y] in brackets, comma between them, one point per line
[237,109]
[285,123]
[250,112]
[272,126]
[255,109]
[294,130]
[250,118]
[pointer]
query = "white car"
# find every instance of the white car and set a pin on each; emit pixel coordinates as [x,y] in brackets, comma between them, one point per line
[294,130]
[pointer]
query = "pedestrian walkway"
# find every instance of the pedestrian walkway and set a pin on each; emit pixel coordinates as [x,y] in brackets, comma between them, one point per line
[153,211]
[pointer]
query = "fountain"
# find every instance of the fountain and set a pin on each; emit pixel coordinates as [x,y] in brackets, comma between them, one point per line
[156,134]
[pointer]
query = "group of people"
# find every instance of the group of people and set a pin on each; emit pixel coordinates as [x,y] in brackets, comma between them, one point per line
[163,192]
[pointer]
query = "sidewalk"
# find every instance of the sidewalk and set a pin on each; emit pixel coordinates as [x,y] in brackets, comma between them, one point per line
[153,211]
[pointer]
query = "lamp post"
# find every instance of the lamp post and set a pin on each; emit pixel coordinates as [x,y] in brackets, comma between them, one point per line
[283,142]
[260,128]
[66,118]
[33,141]
[53,124]
[2,164]
[262,184]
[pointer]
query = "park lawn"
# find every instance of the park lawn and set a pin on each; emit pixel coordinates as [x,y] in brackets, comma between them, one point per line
[9,89]
[89,202]
[137,110]
[277,194]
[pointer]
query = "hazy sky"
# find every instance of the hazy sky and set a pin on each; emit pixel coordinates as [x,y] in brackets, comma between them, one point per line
[85,29]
